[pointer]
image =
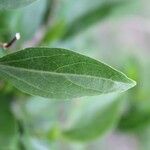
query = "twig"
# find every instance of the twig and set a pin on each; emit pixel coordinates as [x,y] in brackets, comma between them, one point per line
[9,44]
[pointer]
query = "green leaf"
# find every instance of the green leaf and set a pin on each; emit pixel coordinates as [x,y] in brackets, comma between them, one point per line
[18,20]
[93,16]
[134,121]
[61,74]
[8,126]
[136,117]
[79,15]
[96,117]
[53,33]
[34,21]
[7,25]
[9,4]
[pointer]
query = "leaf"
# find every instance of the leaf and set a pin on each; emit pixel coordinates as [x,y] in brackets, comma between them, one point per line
[71,18]
[9,4]
[96,117]
[38,109]
[134,121]
[34,21]
[79,15]
[18,20]
[6,25]
[93,16]
[53,33]
[8,126]
[136,117]
[61,74]
[38,118]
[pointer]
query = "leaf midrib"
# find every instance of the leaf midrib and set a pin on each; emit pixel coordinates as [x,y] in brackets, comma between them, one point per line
[62,74]
[32,85]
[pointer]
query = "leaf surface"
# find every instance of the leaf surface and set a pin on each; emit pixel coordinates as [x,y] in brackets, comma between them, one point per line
[102,11]
[28,24]
[9,4]
[8,125]
[95,117]
[80,15]
[61,74]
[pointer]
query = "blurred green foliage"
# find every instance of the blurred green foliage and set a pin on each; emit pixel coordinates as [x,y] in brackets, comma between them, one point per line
[34,123]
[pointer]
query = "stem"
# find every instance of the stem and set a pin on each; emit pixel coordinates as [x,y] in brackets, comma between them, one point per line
[21,133]
[9,44]
[4,46]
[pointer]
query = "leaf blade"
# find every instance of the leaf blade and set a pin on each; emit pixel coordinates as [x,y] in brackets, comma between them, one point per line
[95,118]
[10,4]
[83,22]
[60,73]
[8,125]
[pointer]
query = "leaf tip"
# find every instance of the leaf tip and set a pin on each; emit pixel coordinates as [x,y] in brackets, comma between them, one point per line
[131,83]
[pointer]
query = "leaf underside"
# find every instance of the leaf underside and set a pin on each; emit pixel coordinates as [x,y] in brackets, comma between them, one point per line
[61,74]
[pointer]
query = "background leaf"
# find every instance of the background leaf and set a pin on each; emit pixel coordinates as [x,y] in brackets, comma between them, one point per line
[27,21]
[8,125]
[30,19]
[7,25]
[9,4]
[96,116]
[136,116]
[74,17]
[100,12]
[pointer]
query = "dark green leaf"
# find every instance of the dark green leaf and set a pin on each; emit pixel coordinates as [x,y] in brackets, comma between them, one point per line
[8,126]
[61,74]
[134,121]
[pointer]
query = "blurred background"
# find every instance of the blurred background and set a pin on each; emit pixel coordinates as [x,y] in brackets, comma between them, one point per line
[116,32]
